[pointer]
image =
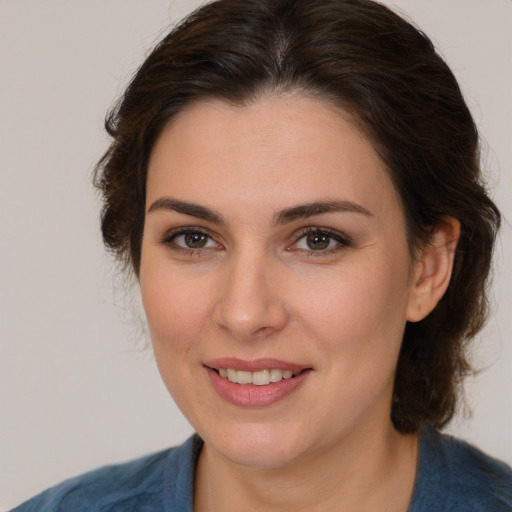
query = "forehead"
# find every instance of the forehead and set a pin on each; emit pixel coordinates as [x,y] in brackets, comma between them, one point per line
[287,147]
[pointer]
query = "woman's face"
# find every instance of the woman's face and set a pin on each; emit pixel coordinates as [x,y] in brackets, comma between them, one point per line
[274,244]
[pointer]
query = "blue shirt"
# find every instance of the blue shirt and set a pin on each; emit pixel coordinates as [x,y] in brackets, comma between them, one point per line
[452,477]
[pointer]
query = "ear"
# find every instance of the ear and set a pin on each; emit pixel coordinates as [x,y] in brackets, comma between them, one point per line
[433,269]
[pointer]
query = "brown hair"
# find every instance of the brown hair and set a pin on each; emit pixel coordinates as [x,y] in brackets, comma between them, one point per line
[385,72]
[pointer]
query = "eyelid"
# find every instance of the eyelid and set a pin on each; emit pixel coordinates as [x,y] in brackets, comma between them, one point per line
[167,239]
[343,239]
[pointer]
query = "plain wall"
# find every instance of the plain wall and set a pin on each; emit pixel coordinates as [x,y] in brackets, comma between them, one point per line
[75,390]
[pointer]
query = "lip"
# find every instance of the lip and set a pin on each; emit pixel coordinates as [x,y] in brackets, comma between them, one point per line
[255,365]
[250,395]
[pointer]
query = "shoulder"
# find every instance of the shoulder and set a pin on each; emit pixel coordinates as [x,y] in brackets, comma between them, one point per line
[140,485]
[477,475]
[455,476]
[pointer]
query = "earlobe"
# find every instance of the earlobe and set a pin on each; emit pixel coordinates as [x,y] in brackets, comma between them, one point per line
[433,269]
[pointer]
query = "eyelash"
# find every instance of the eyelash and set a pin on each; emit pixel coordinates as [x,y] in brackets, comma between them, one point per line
[343,241]
[169,240]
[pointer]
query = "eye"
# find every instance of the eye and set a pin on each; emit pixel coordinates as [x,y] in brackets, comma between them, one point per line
[321,240]
[190,239]
[193,240]
[316,241]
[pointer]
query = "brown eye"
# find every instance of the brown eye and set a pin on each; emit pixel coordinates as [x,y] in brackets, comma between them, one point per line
[318,241]
[191,240]
[195,240]
[321,241]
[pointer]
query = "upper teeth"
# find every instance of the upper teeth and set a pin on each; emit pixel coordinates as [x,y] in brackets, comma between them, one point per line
[260,378]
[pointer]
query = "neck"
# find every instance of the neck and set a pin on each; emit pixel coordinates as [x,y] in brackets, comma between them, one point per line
[353,475]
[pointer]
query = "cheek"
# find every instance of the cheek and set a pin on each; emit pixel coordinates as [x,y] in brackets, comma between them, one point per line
[176,318]
[360,309]
[176,309]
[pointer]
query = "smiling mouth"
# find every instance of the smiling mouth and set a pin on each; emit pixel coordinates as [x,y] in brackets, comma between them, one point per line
[258,378]
[255,383]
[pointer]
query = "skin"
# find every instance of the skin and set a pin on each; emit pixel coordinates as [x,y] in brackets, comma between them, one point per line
[258,290]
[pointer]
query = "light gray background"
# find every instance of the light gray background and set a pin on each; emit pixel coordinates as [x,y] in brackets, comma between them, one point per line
[75,391]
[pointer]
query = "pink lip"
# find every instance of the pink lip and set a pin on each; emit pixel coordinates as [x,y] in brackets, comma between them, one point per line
[250,395]
[255,365]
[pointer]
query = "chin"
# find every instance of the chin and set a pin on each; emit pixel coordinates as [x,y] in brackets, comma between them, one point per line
[253,445]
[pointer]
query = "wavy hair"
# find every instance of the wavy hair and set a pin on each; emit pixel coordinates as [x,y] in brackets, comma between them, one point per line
[364,58]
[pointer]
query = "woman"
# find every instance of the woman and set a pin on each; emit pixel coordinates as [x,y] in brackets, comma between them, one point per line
[296,186]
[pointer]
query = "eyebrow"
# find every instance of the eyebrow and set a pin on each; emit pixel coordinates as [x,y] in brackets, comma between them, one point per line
[281,217]
[192,209]
[318,208]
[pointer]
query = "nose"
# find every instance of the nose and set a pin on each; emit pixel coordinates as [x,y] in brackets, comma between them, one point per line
[251,301]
